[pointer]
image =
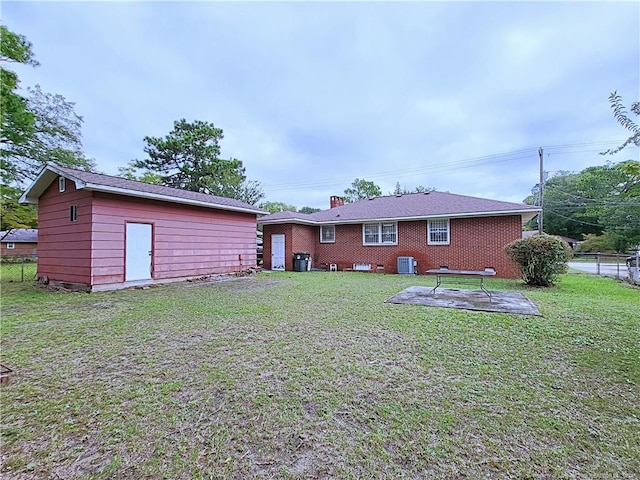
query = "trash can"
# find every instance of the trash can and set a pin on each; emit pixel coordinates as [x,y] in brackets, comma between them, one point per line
[301,262]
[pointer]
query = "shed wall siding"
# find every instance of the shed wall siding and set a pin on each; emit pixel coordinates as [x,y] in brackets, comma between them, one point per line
[475,243]
[64,247]
[187,241]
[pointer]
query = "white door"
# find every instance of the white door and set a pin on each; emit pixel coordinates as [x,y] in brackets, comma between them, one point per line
[277,252]
[138,252]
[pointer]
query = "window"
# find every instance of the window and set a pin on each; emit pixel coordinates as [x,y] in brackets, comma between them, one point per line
[380,234]
[62,184]
[327,233]
[438,232]
[11,246]
[73,213]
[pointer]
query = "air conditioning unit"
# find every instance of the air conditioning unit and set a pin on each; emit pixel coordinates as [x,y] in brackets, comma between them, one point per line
[406,265]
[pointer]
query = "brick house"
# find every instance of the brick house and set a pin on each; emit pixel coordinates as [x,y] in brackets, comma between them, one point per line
[98,232]
[19,242]
[432,229]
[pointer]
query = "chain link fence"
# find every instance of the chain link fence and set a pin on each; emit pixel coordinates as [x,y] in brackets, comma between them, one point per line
[621,266]
[18,269]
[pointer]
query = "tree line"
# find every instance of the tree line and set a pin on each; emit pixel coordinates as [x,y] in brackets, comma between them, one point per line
[600,205]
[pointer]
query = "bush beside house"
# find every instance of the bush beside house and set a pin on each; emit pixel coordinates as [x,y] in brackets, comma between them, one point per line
[541,258]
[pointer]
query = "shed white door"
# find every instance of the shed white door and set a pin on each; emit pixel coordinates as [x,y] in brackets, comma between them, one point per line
[138,252]
[277,252]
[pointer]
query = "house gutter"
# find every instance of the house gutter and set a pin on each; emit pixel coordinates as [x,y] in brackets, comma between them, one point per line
[523,213]
[81,185]
[164,198]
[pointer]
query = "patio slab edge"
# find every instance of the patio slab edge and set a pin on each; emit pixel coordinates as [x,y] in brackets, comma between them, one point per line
[463,299]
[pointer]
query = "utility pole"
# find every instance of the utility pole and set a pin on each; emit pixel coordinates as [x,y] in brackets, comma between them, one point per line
[541,191]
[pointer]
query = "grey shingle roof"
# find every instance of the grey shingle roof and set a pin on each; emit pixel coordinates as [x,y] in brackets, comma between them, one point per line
[20,235]
[102,182]
[291,216]
[407,206]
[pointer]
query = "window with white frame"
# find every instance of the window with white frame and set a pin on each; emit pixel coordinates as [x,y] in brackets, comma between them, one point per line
[438,232]
[327,233]
[73,213]
[11,246]
[62,184]
[380,234]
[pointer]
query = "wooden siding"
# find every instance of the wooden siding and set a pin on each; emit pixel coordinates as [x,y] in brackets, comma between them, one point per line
[64,247]
[187,241]
[475,243]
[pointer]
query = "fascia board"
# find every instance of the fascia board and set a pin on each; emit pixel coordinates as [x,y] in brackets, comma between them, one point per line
[289,220]
[529,214]
[41,183]
[167,198]
[532,212]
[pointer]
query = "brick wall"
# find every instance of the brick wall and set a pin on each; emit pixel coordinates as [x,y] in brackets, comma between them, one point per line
[475,243]
[269,230]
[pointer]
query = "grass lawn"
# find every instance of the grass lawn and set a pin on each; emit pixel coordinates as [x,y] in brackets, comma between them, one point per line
[311,375]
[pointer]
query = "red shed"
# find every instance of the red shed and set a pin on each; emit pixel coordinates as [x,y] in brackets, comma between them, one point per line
[99,232]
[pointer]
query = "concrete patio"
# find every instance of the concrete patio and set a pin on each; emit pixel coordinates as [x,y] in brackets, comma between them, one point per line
[501,302]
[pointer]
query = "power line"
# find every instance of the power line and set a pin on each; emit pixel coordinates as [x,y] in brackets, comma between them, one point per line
[601,201]
[585,144]
[470,162]
[592,205]
[514,155]
[574,220]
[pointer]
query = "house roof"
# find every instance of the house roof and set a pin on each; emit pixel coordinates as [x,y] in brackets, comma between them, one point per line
[531,233]
[19,235]
[99,182]
[412,206]
[291,217]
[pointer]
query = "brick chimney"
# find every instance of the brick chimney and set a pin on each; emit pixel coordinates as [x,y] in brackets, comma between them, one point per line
[336,201]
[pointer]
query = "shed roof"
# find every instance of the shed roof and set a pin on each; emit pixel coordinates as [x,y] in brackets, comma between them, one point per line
[412,206]
[19,235]
[121,186]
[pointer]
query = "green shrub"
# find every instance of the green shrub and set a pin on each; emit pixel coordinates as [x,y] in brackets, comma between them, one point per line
[605,243]
[541,258]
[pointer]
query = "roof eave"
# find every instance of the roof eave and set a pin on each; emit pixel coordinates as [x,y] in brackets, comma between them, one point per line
[530,213]
[46,176]
[166,198]
[280,221]
[49,173]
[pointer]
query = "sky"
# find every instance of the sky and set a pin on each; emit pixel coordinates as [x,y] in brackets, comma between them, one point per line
[456,96]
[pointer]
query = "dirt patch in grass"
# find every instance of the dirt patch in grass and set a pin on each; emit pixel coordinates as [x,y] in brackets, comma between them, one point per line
[232,282]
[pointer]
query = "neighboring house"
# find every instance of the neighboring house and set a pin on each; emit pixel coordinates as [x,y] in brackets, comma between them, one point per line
[99,232]
[573,243]
[431,230]
[19,242]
